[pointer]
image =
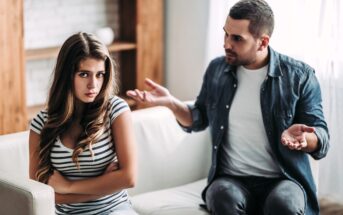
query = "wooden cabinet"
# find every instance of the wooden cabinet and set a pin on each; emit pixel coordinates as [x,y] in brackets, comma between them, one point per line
[139,49]
[141,24]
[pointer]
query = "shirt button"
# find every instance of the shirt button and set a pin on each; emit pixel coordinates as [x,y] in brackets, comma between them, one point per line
[215,147]
[235,85]
[221,127]
[227,106]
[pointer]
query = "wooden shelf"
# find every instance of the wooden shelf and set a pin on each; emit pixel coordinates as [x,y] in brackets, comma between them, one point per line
[51,52]
[121,46]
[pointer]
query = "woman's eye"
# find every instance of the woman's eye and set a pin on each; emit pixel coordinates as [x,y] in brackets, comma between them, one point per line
[101,74]
[83,74]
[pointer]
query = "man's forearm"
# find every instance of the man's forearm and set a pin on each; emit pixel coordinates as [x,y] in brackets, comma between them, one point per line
[181,112]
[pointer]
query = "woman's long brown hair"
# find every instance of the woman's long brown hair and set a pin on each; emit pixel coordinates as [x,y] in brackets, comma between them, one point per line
[61,100]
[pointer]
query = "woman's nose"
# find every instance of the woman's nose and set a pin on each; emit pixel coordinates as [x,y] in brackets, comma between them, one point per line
[91,82]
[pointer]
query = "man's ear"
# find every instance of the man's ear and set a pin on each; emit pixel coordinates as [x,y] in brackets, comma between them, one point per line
[264,42]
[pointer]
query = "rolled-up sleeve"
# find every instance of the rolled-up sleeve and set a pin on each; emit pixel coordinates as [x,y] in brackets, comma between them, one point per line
[312,114]
[323,143]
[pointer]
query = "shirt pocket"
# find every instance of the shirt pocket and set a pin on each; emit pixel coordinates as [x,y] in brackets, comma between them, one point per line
[284,118]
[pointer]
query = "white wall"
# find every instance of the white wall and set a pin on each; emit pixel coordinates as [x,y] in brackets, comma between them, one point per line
[49,24]
[185,42]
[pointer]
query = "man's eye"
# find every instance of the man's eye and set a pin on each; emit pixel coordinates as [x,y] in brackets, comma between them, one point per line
[236,38]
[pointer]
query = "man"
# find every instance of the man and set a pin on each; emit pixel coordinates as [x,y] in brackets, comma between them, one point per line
[265,115]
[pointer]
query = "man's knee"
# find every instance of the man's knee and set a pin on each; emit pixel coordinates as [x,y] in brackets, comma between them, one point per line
[227,196]
[286,198]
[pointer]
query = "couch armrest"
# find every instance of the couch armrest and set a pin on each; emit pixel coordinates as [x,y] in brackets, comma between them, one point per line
[20,195]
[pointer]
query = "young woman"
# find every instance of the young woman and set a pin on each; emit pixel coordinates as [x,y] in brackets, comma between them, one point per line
[82,144]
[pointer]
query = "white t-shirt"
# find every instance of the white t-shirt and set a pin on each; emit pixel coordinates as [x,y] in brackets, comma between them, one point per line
[248,152]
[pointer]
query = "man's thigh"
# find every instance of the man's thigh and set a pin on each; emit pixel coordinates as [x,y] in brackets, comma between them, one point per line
[228,196]
[286,197]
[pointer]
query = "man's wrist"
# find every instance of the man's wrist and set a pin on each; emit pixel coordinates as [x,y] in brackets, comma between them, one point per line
[172,104]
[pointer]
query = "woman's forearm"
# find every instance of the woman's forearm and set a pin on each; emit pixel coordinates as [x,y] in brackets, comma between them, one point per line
[74,198]
[103,185]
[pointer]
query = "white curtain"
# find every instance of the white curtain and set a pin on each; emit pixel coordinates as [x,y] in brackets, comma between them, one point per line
[311,31]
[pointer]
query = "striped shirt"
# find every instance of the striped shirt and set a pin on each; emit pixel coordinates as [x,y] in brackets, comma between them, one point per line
[104,153]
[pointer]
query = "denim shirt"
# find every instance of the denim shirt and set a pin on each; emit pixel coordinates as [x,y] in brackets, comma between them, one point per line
[290,94]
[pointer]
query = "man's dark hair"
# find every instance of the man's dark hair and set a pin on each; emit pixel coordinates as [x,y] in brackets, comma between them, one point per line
[258,12]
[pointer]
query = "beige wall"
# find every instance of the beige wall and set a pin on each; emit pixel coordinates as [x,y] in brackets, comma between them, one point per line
[185,36]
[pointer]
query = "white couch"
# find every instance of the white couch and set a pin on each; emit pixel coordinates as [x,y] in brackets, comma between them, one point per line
[172,167]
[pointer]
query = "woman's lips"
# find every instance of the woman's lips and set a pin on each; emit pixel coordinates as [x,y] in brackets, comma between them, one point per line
[91,94]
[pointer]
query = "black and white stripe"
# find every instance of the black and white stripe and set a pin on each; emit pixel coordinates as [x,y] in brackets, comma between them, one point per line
[104,153]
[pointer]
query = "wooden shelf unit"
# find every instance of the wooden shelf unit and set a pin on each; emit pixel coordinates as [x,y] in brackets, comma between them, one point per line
[139,47]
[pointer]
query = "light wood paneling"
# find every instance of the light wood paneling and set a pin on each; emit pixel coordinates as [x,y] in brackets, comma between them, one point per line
[12,76]
[149,41]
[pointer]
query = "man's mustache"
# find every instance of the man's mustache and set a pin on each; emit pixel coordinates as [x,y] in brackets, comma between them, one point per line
[229,51]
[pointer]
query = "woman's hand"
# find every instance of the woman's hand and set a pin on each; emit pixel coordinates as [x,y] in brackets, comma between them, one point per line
[59,183]
[113,166]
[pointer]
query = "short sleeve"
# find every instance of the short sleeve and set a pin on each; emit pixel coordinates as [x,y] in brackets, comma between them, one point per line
[116,107]
[38,121]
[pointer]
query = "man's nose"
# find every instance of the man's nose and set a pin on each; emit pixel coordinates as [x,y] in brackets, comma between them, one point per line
[227,43]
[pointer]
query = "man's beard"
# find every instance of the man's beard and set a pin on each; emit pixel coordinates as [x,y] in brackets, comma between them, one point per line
[233,59]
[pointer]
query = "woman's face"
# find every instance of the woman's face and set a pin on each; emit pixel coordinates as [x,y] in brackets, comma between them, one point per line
[89,79]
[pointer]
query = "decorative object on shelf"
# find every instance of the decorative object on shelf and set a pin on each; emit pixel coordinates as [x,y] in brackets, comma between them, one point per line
[105,34]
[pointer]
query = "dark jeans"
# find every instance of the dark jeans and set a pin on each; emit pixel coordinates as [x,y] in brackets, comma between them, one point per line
[254,195]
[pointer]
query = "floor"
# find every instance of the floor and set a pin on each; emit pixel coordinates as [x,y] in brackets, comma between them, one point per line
[329,206]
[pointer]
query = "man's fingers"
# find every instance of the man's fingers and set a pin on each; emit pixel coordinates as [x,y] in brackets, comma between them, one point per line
[139,94]
[131,93]
[151,84]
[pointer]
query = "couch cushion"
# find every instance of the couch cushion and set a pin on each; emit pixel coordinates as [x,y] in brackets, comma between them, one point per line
[167,156]
[181,200]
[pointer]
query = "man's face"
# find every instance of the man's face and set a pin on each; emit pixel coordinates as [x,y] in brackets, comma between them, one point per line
[240,46]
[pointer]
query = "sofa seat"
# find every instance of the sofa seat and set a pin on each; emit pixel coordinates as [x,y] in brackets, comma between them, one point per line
[172,169]
[181,200]
[170,164]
